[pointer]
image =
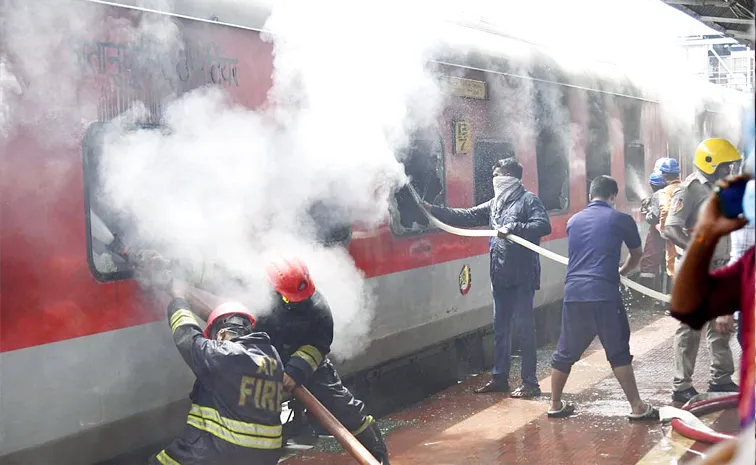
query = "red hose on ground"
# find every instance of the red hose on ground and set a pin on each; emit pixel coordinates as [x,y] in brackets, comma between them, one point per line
[702,408]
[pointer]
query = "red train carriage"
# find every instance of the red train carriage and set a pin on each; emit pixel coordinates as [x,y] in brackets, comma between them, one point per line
[84,356]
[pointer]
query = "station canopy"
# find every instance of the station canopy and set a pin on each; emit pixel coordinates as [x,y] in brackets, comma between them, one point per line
[733,18]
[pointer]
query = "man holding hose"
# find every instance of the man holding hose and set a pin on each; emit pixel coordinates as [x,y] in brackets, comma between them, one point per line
[235,417]
[592,300]
[515,270]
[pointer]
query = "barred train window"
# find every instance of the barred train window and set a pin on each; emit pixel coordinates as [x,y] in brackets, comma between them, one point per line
[424,164]
[103,222]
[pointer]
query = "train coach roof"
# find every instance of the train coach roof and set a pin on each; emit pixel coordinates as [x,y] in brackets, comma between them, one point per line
[466,44]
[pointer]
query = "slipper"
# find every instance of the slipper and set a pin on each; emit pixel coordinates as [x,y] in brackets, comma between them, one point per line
[525,392]
[651,414]
[568,408]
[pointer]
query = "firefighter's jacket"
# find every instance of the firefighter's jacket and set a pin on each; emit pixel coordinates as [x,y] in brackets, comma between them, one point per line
[302,333]
[238,392]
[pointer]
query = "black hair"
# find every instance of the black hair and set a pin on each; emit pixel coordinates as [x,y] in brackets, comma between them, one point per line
[510,166]
[603,187]
[670,176]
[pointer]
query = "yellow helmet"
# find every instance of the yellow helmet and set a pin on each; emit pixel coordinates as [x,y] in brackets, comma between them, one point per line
[713,152]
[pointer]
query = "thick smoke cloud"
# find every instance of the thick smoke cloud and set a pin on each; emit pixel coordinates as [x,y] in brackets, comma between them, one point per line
[230,188]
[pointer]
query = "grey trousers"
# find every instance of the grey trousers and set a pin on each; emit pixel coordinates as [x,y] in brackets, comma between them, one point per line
[685,348]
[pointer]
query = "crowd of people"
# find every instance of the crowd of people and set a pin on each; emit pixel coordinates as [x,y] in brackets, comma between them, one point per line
[245,368]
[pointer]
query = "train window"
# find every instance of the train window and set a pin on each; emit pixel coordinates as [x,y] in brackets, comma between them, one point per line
[598,155]
[635,155]
[553,125]
[635,170]
[487,152]
[104,224]
[424,164]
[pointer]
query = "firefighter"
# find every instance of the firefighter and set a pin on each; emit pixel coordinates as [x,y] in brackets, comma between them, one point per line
[301,328]
[713,161]
[235,417]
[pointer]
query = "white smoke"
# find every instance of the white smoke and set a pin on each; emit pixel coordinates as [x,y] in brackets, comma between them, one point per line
[9,89]
[232,186]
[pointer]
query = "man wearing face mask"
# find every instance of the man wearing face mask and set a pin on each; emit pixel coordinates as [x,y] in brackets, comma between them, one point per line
[713,161]
[515,270]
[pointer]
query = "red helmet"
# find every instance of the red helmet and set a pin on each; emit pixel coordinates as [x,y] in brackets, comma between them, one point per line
[227,309]
[291,279]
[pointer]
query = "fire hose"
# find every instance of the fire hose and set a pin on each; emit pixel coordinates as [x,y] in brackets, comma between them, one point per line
[330,423]
[703,407]
[528,245]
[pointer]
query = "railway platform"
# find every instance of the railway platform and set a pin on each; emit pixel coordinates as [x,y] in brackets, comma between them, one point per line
[456,426]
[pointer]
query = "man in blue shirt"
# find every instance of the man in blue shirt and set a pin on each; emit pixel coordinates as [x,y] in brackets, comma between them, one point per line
[592,300]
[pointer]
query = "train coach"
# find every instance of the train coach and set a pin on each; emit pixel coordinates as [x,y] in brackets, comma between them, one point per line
[87,368]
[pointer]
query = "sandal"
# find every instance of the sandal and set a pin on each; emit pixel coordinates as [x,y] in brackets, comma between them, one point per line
[525,392]
[568,408]
[651,414]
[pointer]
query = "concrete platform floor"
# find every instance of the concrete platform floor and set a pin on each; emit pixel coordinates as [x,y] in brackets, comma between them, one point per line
[456,426]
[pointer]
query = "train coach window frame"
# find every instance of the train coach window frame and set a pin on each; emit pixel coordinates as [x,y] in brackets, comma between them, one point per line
[553,143]
[634,152]
[92,144]
[635,162]
[403,200]
[597,164]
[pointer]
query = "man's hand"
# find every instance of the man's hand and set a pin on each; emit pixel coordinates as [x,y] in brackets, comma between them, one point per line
[645,205]
[724,324]
[425,205]
[288,383]
[712,221]
[505,231]
[178,289]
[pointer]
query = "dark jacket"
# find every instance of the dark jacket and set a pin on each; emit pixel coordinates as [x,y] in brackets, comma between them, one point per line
[524,215]
[302,333]
[238,393]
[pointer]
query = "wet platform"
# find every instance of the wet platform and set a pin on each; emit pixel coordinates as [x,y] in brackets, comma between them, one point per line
[456,426]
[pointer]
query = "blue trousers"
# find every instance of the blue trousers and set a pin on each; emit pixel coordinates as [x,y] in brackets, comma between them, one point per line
[581,322]
[514,306]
